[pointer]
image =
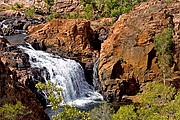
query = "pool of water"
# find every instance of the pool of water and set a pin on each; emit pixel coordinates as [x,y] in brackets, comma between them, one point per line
[15,39]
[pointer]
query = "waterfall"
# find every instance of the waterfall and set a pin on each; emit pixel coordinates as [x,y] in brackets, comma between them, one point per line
[96,81]
[66,73]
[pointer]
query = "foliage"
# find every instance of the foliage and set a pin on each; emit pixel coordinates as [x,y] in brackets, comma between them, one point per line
[103,112]
[18,5]
[15,6]
[52,16]
[163,45]
[157,94]
[158,102]
[70,113]
[30,12]
[11,112]
[49,2]
[107,8]
[125,113]
[88,11]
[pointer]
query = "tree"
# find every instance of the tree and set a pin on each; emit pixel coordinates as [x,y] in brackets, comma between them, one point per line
[163,45]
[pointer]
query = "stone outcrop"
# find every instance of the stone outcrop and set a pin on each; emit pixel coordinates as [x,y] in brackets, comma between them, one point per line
[129,50]
[12,91]
[68,38]
[14,22]
[61,6]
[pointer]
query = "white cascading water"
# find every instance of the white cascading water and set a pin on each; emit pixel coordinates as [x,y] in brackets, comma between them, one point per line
[67,74]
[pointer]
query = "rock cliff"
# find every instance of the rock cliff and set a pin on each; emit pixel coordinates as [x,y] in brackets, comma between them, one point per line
[128,54]
[68,38]
[12,91]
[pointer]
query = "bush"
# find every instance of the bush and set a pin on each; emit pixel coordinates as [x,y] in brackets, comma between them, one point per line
[55,97]
[159,102]
[126,113]
[52,16]
[163,45]
[18,5]
[107,8]
[103,112]
[12,112]
[30,12]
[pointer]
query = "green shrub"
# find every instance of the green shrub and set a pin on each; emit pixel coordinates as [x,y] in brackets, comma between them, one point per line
[107,8]
[158,102]
[30,12]
[126,113]
[103,112]
[52,16]
[18,5]
[12,112]
[163,44]
[156,94]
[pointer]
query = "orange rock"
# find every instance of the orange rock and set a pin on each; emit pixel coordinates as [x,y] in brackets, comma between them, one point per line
[65,36]
[130,46]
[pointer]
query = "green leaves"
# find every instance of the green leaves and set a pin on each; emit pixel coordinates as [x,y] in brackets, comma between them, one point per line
[163,44]
[49,2]
[156,103]
[103,112]
[125,113]
[108,8]
[157,94]
[53,93]
[11,112]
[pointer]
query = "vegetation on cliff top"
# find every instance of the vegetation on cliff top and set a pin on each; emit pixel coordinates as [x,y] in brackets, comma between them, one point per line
[107,8]
[92,9]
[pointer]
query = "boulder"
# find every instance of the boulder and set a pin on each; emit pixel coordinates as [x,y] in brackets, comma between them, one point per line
[69,38]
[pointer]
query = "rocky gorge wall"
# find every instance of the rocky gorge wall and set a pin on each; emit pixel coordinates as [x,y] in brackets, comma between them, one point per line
[129,50]
[12,91]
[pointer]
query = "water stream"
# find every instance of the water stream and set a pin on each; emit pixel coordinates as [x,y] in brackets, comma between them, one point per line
[67,74]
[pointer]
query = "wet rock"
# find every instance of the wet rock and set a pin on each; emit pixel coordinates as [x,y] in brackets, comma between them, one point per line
[13,22]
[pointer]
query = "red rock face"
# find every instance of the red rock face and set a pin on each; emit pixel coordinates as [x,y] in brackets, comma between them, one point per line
[12,91]
[68,38]
[129,50]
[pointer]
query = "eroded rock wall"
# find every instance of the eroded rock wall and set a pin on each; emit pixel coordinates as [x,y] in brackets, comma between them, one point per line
[12,91]
[129,50]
